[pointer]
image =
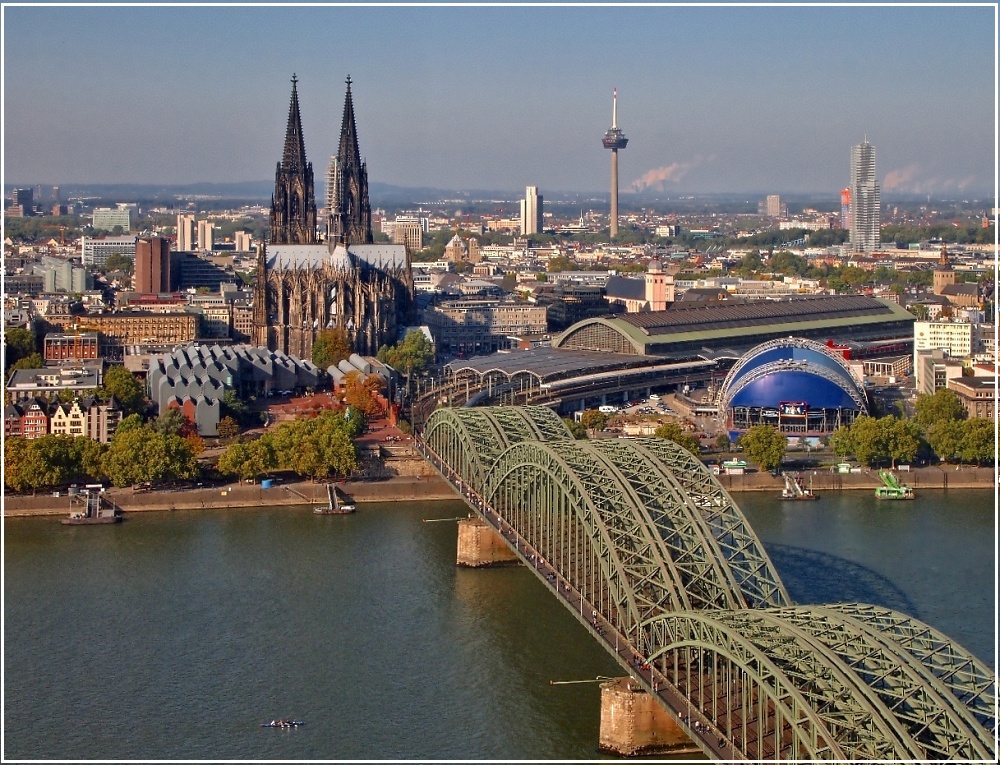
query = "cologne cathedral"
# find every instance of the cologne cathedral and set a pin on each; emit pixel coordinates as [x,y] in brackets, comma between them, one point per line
[307,282]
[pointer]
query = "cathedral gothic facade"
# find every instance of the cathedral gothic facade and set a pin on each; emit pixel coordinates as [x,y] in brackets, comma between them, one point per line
[307,283]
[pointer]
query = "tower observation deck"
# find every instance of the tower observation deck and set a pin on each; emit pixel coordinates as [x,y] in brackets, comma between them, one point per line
[614,139]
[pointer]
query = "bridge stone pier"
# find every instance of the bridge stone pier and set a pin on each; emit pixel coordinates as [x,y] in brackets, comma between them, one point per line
[653,557]
[479,545]
[634,723]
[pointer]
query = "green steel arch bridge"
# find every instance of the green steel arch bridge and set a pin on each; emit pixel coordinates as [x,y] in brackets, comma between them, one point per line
[648,550]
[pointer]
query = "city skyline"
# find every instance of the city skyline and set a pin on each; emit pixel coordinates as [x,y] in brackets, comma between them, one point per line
[713,99]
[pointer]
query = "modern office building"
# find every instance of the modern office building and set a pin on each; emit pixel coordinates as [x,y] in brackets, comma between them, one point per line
[106,218]
[408,232]
[205,235]
[185,232]
[614,140]
[531,211]
[865,205]
[152,266]
[243,241]
[25,199]
[954,337]
[97,251]
[772,206]
[61,275]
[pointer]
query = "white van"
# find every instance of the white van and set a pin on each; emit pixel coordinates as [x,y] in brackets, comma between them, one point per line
[607,409]
[654,397]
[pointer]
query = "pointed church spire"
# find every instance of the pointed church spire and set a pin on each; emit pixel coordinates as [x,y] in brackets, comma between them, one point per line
[293,204]
[293,158]
[349,130]
[350,219]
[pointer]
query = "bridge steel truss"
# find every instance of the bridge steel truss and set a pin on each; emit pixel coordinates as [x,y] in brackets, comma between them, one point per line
[647,538]
[845,682]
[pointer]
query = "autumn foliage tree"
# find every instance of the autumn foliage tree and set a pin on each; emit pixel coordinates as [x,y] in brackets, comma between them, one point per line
[360,391]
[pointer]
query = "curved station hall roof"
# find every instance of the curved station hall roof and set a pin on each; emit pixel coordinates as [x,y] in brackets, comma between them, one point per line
[699,328]
[638,347]
[792,369]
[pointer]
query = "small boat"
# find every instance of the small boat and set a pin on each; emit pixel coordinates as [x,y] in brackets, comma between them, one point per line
[892,487]
[282,724]
[94,513]
[334,505]
[793,490]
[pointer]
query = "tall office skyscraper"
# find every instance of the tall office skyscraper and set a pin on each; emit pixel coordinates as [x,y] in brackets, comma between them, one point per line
[865,208]
[614,139]
[206,239]
[152,266]
[531,211]
[185,232]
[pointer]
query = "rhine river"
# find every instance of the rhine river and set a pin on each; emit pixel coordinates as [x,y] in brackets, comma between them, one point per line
[175,635]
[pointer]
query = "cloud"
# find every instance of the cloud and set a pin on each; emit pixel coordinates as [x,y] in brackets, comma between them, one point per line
[658,178]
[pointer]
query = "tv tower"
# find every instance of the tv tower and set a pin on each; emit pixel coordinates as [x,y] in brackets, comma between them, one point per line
[614,139]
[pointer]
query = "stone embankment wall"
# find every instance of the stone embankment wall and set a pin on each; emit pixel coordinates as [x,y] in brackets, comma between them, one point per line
[947,477]
[403,478]
[242,496]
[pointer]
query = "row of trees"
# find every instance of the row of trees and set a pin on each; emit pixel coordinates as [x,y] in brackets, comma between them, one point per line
[138,452]
[321,447]
[939,428]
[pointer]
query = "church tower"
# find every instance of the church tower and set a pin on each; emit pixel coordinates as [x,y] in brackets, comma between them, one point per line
[944,274]
[350,212]
[293,205]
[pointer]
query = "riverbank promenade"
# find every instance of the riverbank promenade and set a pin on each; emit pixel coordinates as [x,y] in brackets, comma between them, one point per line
[406,488]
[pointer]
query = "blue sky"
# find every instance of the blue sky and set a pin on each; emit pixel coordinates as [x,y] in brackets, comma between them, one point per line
[713,99]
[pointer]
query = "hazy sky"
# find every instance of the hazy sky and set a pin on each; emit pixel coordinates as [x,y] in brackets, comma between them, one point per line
[713,99]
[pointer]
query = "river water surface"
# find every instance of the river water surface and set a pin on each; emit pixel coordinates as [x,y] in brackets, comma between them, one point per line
[174,635]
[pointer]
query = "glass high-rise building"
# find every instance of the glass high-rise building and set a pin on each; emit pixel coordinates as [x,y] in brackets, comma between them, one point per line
[865,207]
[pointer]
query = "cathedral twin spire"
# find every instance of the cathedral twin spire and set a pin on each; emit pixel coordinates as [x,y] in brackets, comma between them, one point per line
[293,206]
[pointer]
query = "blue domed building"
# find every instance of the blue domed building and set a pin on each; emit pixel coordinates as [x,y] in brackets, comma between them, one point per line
[795,385]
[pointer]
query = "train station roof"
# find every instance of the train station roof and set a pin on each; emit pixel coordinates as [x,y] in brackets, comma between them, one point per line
[547,364]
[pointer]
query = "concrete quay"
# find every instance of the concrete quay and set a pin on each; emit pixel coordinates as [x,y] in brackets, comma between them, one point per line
[415,486]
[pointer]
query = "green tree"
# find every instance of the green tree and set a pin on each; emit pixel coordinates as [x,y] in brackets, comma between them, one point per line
[674,432]
[18,343]
[576,429]
[125,388]
[129,422]
[593,419]
[231,405]
[248,460]
[116,261]
[945,439]
[842,442]
[902,438]
[173,422]
[141,454]
[412,355]
[942,405]
[330,347]
[764,445]
[321,447]
[21,468]
[31,361]
[868,440]
[722,442]
[978,443]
